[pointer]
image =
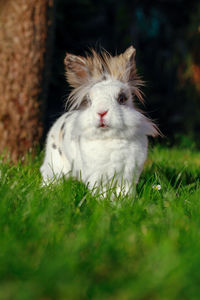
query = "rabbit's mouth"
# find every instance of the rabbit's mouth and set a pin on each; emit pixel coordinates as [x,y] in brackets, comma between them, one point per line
[103,125]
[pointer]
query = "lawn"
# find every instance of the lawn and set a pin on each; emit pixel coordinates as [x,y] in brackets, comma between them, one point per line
[62,242]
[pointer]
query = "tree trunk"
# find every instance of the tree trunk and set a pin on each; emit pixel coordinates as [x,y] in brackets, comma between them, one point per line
[24,28]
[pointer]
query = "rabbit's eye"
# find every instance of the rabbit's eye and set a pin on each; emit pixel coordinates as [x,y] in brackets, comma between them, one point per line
[86,101]
[122,99]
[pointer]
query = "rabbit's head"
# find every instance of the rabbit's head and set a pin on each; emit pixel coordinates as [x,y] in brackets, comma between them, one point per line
[104,91]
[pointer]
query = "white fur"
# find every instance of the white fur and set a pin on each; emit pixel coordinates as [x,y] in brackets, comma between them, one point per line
[96,154]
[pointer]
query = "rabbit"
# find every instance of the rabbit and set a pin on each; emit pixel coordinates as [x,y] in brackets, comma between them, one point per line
[103,135]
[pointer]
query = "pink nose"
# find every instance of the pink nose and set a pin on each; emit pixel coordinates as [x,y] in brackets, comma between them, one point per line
[102,114]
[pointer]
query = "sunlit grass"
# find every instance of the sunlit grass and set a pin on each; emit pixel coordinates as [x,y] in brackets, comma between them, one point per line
[63,242]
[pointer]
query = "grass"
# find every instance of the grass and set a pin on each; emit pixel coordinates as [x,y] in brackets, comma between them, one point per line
[64,243]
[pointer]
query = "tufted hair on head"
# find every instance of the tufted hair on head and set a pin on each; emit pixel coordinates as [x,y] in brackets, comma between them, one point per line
[83,72]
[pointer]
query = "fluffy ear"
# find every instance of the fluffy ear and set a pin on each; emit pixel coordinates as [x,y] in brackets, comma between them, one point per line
[77,72]
[129,57]
[130,53]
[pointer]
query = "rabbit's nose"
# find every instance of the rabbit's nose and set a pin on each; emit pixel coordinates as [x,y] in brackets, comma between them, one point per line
[102,114]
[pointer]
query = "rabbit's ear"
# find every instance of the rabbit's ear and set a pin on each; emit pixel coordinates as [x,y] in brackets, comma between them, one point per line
[129,54]
[77,72]
[129,57]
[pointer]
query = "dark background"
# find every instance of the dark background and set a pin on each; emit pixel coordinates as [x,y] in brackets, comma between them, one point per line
[166,35]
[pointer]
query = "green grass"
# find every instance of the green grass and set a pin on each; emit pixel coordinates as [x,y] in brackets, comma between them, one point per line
[64,243]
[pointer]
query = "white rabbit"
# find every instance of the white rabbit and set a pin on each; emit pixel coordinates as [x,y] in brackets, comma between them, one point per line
[103,135]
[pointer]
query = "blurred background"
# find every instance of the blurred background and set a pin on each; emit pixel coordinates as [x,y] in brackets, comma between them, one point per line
[166,35]
[35,36]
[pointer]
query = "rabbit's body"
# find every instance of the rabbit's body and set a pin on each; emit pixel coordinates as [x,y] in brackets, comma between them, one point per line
[105,138]
[91,160]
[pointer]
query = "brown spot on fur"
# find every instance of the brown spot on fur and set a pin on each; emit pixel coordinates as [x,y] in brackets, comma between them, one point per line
[59,150]
[54,146]
[63,125]
[62,132]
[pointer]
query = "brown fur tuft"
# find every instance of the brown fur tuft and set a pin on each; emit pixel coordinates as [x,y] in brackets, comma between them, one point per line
[84,71]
